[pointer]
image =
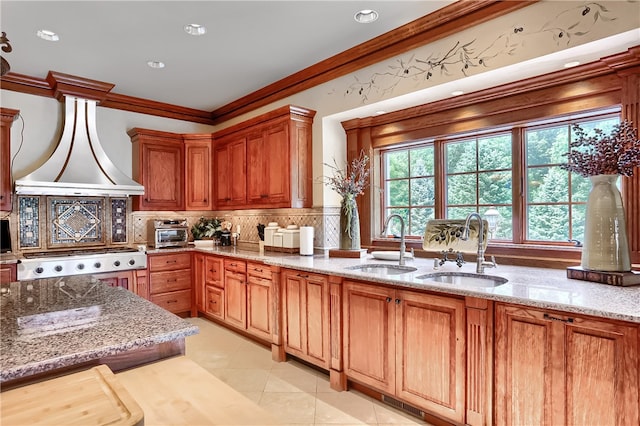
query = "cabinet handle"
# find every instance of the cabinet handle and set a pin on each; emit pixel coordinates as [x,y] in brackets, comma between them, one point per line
[264,196]
[303,276]
[549,317]
[397,301]
[172,280]
[257,269]
[388,299]
[172,301]
[171,261]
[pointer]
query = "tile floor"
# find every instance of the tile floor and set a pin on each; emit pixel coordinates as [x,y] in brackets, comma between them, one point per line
[293,392]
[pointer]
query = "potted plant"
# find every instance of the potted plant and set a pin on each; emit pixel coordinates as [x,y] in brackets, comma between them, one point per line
[206,230]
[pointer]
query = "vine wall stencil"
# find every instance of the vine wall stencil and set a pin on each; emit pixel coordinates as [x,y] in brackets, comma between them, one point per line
[462,58]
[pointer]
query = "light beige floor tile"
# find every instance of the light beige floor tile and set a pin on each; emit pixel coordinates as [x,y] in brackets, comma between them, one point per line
[251,356]
[243,379]
[344,408]
[253,396]
[292,379]
[289,407]
[323,385]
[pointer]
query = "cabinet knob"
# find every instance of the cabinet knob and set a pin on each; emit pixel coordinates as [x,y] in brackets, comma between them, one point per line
[388,299]
[552,318]
[397,301]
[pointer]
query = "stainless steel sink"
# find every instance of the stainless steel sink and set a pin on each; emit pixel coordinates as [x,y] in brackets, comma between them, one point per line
[382,269]
[464,278]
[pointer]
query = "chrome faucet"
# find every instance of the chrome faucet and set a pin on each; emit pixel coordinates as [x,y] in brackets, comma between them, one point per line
[480,262]
[402,245]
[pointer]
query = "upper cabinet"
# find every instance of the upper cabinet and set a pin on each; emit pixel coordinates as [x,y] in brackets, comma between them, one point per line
[7,117]
[265,162]
[175,170]
[197,172]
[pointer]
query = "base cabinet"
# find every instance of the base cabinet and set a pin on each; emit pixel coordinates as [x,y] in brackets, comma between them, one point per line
[170,281]
[408,345]
[557,369]
[8,273]
[305,311]
[259,303]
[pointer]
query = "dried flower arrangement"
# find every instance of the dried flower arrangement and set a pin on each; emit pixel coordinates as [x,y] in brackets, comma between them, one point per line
[615,154]
[351,182]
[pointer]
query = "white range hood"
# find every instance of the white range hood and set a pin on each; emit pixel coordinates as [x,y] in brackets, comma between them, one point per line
[79,165]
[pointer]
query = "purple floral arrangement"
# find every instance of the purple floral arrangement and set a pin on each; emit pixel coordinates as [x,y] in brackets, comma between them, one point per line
[615,154]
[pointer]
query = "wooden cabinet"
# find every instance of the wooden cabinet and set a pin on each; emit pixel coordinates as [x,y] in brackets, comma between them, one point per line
[407,344]
[198,172]
[275,170]
[209,284]
[158,164]
[554,368]
[305,311]
[235,292]
[7,117]
[8,273]
[122,279]
[231,172]
[170,281]
[267,153]
[259,300]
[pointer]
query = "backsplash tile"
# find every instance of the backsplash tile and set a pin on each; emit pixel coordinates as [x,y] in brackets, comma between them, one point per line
[76,221]
[29,222]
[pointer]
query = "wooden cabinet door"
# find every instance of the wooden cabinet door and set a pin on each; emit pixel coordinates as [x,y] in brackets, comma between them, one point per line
[199,281]
[231,173]
[122,279]
[8,273]
[198,173]
[602,373]
[214,301]
[317,319]
[294,321]
[6,120]
[268,167]
[235,293]
[214,271]
[158,164]
[529,367]
[259,307]
[369,335]
[430,353]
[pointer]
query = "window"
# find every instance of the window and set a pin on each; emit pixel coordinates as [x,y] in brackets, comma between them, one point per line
[555,199]
[409,187]
[478,174]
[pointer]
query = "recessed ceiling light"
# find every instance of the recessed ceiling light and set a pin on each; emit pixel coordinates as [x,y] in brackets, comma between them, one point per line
[195,29]
[155,64]
[571,64]
[47,35]
[457,93]
[366,16]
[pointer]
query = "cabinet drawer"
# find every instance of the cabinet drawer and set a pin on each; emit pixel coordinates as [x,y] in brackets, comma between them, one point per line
[235,265]
[213,271]
[214,304]
[169,262]
[259,270]
[162,282]
[175,301]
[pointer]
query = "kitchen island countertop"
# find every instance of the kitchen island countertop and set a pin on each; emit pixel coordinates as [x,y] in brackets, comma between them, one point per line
[55,323]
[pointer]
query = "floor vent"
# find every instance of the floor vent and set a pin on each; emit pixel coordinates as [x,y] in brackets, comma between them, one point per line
[402,406]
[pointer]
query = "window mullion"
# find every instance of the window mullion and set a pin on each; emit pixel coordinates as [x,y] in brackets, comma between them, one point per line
[440,178]
[517,185]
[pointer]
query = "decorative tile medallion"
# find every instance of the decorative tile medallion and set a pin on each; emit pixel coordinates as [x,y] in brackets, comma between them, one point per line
[443,235]
[118,220]
[29,222]
[76,220]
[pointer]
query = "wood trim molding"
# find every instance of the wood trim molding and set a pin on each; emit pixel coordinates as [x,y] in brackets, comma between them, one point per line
[7,115]
[608,82]
[443,22]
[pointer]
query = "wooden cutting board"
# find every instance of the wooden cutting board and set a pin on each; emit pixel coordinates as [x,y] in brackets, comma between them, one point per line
[90,397]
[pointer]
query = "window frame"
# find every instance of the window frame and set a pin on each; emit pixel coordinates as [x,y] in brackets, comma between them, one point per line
[519,170]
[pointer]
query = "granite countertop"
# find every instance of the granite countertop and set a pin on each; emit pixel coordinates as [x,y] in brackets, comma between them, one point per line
[58,322]
[537,287]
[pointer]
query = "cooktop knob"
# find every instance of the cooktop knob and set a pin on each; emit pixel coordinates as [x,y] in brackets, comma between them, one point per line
[39,270]
[81,266]
[97,265]
[132,262]
[116,263]
[58,268]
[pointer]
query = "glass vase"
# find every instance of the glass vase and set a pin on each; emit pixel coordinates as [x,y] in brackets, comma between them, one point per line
[349,224]
[605,232]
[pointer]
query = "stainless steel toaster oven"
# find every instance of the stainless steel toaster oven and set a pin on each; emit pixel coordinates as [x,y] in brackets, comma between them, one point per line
[168,233]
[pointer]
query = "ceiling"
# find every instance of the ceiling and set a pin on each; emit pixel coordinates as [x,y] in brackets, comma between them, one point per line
[248,44]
